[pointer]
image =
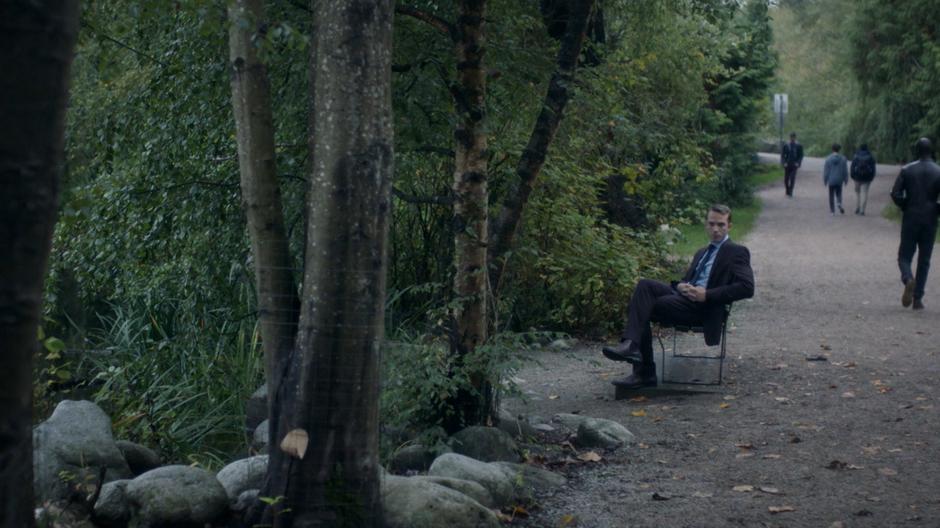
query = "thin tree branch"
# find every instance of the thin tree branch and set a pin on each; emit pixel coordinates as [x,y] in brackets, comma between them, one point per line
[122,44]
[438,23]
[444,199]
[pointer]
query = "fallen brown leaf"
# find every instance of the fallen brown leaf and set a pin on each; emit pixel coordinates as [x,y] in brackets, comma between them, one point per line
[636,399]
[743,488]
[590,456]
[888,472]
[639,414]
[724,405]
[780,509]
[553,396]
[770,490]
[745,445]
[771,456]
[567,520]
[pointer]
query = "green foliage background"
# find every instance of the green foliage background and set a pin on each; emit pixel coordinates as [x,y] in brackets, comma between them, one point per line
[151,260]
[859,72]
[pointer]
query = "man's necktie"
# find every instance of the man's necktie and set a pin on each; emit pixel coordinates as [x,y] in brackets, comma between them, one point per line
[701,263]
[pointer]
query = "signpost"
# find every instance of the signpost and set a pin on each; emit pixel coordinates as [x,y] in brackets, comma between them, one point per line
[780,108]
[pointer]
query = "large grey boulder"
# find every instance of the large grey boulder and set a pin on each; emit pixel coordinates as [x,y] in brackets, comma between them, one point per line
[256,408]
[176,496]
[73,445]
[530,482]
[571,421]
[598,432]
[491,477]
[261,438]
[515,426]
[112,509]
[414,457]
[485,443]
[467,487]
[242,475]
[415,503]
[140,459]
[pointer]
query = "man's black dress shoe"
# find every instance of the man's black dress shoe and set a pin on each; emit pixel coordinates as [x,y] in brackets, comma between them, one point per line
[625,351]
[635,381]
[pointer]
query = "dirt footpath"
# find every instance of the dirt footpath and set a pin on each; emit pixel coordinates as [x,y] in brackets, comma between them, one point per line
[849,441]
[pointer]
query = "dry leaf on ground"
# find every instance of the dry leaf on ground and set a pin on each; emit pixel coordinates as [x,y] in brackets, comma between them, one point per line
[743,488]
[590,456]
[770,490]
[639,414]
[780,509]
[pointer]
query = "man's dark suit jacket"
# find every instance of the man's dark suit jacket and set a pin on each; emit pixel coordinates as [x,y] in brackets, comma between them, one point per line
[791,155]
[731,279]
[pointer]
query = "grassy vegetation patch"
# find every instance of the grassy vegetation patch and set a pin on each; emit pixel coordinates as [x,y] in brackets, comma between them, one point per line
[692,237]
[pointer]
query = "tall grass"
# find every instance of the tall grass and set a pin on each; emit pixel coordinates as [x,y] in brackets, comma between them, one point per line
[177,381]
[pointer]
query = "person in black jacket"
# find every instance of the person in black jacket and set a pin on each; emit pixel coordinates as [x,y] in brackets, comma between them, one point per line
[791,157]
[915,192]
[863,172]
[719,274]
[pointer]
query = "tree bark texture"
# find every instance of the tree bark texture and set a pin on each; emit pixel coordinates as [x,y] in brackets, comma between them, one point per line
[470,204]
[36,42]
[333,381]
[546,125]
[278,303]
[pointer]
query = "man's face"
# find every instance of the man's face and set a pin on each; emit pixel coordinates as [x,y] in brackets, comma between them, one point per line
[717,226]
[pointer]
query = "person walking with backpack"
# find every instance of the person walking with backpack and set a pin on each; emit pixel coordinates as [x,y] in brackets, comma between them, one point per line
[791,157]
[835,175]
[863,172]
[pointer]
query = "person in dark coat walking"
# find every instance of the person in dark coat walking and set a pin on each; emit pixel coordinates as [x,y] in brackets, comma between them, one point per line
[791,157]
[719,274]
[835,176]
[915,192]
[863,172]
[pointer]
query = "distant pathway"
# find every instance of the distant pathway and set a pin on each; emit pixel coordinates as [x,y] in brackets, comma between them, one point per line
[850,440]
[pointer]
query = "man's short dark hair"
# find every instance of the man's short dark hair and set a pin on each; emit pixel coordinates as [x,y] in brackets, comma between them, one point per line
[792,135]
[923,148]
[836,147]
[864,146]
[721,209]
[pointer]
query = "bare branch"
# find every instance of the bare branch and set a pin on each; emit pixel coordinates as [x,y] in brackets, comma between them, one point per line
[443,199]
[436,22]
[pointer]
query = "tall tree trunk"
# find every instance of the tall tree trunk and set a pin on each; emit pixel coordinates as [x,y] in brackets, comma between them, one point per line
[333,382]
[36,42]
[278,303]
[472,405]
[533,157]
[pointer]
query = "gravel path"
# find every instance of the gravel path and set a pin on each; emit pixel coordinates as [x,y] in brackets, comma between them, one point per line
[846,441]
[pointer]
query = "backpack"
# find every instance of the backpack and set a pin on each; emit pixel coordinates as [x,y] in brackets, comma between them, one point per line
[863,167]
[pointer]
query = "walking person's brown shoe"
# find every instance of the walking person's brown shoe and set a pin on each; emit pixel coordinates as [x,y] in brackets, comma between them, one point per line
[908,296]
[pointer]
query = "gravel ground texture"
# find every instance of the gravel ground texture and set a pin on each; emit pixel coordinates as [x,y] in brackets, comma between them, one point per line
[829,411]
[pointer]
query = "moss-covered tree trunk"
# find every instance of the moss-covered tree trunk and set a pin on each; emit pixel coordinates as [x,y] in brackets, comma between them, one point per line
[324,460]
[278,304]
[36,42]
[470,210]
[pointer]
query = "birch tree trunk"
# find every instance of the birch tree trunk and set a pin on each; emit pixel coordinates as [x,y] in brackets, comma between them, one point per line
[470,210]
[278,303]
[36,42]
[546,125]
[327,466]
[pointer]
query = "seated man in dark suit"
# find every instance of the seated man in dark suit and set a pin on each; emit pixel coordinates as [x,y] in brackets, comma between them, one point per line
[719,274]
